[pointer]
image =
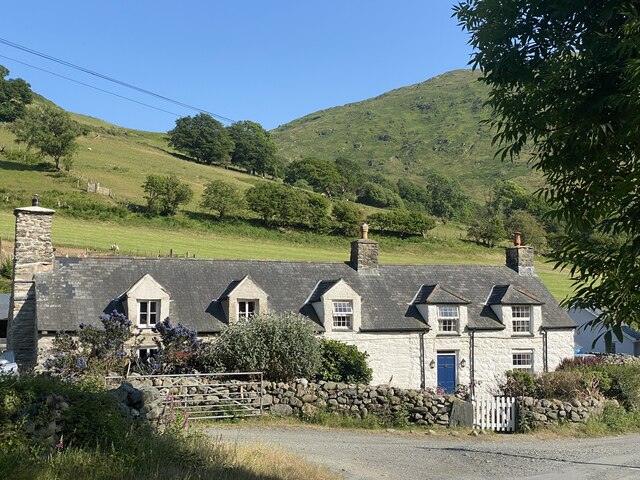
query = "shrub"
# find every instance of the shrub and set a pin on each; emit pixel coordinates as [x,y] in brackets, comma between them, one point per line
[343,363]
[281,346]
[92,351]
[563,385]
[178,348]
[518,383]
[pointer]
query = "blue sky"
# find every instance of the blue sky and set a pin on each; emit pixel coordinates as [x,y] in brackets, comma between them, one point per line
[266,61]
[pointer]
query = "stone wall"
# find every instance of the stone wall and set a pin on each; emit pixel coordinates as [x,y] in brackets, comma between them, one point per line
[537,413]
[305,399]
[140,399]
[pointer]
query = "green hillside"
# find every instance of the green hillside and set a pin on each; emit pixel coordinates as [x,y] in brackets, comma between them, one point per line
[120,159]
[434,125]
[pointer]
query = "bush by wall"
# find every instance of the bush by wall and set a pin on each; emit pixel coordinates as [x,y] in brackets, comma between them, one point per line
[343,363]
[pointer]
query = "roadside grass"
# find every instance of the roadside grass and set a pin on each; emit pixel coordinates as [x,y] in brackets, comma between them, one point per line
[196,457]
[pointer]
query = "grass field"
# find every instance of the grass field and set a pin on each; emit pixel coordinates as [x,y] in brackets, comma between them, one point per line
[151,240]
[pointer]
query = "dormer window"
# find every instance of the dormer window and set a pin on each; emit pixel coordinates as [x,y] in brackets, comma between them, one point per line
[521,318]
[342,314]
[246,309]
[448,319]
[148,313]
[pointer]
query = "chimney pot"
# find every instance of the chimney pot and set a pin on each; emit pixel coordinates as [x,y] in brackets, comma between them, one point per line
[517,239]
[364,231]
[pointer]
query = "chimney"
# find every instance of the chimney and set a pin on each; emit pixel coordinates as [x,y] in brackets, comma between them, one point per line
[520,257]
[33,253]
[364,253]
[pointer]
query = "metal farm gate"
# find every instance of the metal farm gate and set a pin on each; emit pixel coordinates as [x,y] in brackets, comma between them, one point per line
[495,413]
[205,395]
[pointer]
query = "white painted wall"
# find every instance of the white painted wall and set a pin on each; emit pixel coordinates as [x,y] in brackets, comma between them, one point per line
[393,357]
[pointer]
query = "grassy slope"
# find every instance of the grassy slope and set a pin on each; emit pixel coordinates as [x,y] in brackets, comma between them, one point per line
[120,159]
[432,125]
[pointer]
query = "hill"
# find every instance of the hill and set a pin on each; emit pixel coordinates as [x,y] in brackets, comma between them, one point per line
[120,159]
[433,125]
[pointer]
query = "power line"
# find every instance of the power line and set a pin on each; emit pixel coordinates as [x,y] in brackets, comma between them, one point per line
[111,79]
[90,86]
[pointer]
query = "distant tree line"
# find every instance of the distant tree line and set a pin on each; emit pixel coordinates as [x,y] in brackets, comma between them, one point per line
[280,205]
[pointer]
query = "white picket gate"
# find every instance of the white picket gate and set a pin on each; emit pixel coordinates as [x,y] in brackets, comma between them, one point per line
[495,413]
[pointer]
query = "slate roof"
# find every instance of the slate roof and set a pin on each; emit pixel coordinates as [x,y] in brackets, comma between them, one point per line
[633,333]
[510,295]
[79,290]
[437,294]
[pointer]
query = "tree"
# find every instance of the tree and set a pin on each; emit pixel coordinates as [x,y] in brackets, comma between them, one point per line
[532,232]
[564,79]
[371,193]
[165,193]
[487,230]
[255,150]
[322,175]
[351,171]
[203,138]
[446,198]
[15,95]
[51,131]
[220,197]
[347,217]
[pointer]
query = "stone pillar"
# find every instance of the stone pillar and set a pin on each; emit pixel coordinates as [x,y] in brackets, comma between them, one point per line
[33,253]
[520,258]
[364,253]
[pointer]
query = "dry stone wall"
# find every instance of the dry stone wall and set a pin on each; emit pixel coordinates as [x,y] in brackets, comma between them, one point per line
[543,413]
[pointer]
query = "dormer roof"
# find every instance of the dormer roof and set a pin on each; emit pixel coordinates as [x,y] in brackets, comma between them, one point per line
[237,284]
[145,280]
[510,295]
[437,294]
[322,287]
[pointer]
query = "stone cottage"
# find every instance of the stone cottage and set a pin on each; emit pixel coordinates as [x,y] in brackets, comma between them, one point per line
[422,325]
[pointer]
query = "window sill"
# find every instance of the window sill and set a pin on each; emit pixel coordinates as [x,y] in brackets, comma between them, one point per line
[522,334]
[448,334]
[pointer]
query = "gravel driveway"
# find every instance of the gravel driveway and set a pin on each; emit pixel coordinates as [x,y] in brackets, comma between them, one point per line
[373,455]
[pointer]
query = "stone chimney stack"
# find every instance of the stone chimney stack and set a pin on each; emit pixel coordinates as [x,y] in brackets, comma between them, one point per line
[33,253]
[364,253]
[520,257]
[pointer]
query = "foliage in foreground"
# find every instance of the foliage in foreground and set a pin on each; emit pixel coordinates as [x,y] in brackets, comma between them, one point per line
[564,79]
[100,443]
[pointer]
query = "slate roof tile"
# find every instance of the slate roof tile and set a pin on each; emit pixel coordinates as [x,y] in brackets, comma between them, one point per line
[79,290]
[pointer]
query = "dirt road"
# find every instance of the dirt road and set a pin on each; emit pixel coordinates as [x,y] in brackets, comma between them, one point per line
[364,455]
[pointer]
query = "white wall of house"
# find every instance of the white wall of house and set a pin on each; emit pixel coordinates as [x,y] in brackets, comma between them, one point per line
[393,357]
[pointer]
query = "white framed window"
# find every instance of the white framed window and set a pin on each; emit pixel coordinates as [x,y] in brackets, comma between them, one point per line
[146,353]
[448,319]
[521,318]
[522,360]
[342,314]
[246,309]
[148,313]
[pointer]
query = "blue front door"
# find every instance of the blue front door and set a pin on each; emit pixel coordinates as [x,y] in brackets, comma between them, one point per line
[447,372]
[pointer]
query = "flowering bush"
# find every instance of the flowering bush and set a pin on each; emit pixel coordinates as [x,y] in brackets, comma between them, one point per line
[92,351]
[178,348]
